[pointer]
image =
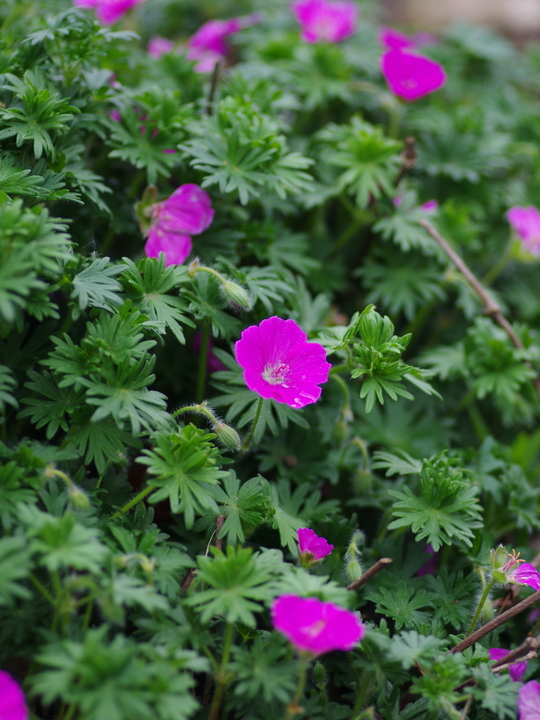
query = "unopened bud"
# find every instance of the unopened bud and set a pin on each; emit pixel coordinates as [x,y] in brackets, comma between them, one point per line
[236,295]
[353,570]
[227,436]
[319,674]
[362,481]
[193,267]
[78,498]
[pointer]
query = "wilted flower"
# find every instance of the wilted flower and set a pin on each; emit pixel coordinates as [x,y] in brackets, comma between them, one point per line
[508,568]
[12,702]
[187,212]
[529,701]
[208,45]
[411,76]
[526,222]
[314,626]
[280,363]
[517,669]
[395,40]
[312,547]
[158,46]
[108,11]
[326,20]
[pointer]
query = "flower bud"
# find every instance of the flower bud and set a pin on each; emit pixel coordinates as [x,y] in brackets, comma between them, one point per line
[353,570]
[227,436]
[193,267]
[236,295]
[78,498]
[319,674]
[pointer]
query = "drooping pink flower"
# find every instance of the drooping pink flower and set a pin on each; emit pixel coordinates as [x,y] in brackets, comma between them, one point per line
[326,20]
[430,207]
[517,669]
[394,40]
[411,76]
[314,626]
[525,574]
[529,701]
[429,567]
[280,363]
[508,568]
[158,46]
[312,547]
[208,45]
[526,222]
[12,701]
[108,11]
[188,211]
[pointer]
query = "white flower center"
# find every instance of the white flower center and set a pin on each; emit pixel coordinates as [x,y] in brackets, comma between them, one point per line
[275,374]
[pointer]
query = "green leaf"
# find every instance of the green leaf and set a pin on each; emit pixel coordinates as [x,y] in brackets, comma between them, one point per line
[396,464]
[496,692]
[407,607]
[15,565]
[95,286]
[183,465]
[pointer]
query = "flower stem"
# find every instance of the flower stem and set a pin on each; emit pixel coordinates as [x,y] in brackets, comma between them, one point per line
[361,695]
[480,605]
[135,501]
[221,675]
[293,708]
[203,361]
[497,269]
[247,442]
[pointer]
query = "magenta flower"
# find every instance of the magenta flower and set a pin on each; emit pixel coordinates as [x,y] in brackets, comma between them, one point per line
[158,46]
[314,626]
[394,40]
[526,222]
[525,574]
[208,45]
[516,669]
[430,207]
[312,547]
[326,20]
[187,212]
[411,76]
[529,701]
[280,363]
[108,11]
[12,702]
[508,568]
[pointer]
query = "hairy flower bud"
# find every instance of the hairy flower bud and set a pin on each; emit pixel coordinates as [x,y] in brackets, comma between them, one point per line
[319,674]
[353,570]
[227,436]
[78,498]
[236,295]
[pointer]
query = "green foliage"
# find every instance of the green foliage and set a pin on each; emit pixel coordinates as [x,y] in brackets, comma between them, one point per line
[446,509]
[405,606]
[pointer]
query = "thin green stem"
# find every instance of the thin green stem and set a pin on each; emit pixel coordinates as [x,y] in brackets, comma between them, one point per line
[361,695]
[43,590]
[135,501]
[247,442]
[349,232]
[335,369]
[293,708]
[203,361]
[479,607]
[87,613]
[70,711]
[221,677]
[343,385]
[497,269]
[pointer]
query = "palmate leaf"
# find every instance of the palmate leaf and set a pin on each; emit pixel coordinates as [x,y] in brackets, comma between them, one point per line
[398,463]
[15,180]
[53,410]
[445,511]
[409,648]
[95,286]
[407,607]
[496,692]
[183,465]
[149,283]
[99,442]
[237,583]
[262,672]
[7,384]
[15,565]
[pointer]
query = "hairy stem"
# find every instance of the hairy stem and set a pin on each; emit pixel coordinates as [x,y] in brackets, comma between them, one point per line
[293,708]
[135,501]
[203,361]
[480,605]
[221,676]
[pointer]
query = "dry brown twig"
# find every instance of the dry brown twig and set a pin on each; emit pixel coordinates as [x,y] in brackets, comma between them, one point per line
[491,307]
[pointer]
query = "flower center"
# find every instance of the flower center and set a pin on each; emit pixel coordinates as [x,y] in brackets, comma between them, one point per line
[409,84]
[275,374]
[316,629]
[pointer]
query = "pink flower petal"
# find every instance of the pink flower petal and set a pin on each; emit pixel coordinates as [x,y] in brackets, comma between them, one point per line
[158,46]
[314,626]
[310,542]
[411,76]
[108,11]
[280,363]
[175,246]
[326,20]
[12,701]
[529,701]
[517,670]
[526,222]
[525,574]
[394,40]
